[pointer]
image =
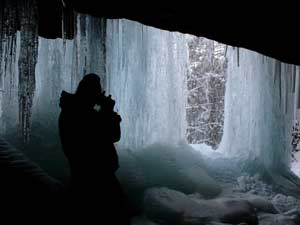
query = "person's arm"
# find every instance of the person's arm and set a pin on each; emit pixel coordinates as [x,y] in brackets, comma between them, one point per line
[112,119]
[115,129]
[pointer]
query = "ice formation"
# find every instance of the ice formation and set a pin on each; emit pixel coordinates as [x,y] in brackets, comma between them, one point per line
[18,49]
[146,69]
[27,62]
[258,109]
[259,112]
[62,63]
[34,71]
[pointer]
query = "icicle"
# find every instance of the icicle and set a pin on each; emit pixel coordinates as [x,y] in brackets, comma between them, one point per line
[27,62]
[103,24]
[297,89]
[2,39]
[286,81]
[277,73]
[238,57]
[277,70]
[290,78]
[288,74]
[75,55]
[68,21]
[11,63]
[8,29]
[294,78]
[279,83]
[226,50]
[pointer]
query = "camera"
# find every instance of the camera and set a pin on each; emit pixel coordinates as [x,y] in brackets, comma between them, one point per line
[106,102]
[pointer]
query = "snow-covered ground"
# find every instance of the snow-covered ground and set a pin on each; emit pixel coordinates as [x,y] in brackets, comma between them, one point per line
[206,150]
[184,185]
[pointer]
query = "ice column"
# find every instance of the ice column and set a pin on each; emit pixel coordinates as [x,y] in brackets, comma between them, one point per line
[259,105]
[18,53]
[62,63]
[146,70]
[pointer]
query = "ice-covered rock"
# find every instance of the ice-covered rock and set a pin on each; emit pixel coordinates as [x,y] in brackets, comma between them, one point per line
[277,219]
[201,182]
[253,185]
[167,206]
[219,223]
[234,210]
[261,204]
[285,203]
[141,220]
[295,214]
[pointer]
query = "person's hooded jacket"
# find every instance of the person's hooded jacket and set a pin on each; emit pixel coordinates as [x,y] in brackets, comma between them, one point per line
[87,137]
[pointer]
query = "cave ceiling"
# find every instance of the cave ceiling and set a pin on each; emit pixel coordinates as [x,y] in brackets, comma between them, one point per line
[270,31]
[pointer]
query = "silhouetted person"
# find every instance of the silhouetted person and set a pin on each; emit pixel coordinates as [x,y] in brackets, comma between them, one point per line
[88,129]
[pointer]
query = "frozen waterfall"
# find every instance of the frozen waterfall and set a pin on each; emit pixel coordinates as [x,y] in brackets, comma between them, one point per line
[258,109]
[142,67]
[18,57]
[62,63]
[259,114]
[146,70]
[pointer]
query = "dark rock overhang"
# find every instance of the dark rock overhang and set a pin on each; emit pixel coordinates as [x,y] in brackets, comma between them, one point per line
[270,31]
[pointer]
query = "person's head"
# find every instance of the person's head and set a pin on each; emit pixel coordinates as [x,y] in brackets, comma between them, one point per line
[89,87]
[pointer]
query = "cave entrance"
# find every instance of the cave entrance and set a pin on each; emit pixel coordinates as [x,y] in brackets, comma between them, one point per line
[168,86]
[206,78]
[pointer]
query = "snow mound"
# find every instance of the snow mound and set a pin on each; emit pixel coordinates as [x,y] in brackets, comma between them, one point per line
[178,167]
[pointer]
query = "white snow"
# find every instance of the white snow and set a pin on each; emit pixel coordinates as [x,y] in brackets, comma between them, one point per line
[178,167]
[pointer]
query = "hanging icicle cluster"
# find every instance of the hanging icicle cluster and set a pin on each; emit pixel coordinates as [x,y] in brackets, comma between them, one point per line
[8,30]
[19,35]
[88,48]
[27,62]
[9,25]
[68,21]
[18,15]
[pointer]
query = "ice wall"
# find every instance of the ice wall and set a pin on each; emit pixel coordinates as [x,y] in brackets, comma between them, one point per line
[142,67]
[145,72]
[146,69]
[9,102]
[18,55]
[27,62]
[259,111]
[62,64]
